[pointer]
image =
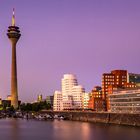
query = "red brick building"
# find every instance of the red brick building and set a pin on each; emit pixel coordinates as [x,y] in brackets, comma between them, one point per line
[117,79]
[96,102]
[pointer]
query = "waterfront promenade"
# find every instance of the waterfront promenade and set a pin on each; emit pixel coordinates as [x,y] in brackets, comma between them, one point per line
[130,119]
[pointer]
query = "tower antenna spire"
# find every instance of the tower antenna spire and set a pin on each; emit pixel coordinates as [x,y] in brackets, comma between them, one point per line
[13,17]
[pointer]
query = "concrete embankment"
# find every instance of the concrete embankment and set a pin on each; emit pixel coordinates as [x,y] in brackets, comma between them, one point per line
[108,118]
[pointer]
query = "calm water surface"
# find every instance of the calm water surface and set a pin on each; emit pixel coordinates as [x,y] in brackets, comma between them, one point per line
[17,129]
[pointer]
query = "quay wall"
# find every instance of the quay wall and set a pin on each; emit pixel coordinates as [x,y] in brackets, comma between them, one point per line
[100,117]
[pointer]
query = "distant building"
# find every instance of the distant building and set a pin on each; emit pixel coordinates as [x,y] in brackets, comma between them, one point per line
[57,102]
[7,102]
[125,100]
[0,101]
[39,98]
[49,99]
[85,100]
[134,78]
[9,97]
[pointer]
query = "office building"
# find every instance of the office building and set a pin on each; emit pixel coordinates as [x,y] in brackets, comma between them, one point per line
[125,100]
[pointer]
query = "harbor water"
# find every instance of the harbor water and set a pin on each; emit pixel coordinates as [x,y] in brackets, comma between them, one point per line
[21,129]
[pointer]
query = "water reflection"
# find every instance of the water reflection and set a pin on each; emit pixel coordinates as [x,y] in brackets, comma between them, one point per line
[14,129]
[70,130]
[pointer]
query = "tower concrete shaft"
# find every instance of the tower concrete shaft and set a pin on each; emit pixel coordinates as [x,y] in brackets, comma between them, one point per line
[14,87]
[14,35]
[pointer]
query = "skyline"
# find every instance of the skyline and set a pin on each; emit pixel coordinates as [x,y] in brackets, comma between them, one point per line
[80,37]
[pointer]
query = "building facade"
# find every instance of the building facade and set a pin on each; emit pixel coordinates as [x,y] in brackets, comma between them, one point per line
[96,102]
[125,101]
[116,78]
[71,96]
[68,82]
[77,96]
[39,98]
[57,102]
[49,100]
[85,100]
[134,78]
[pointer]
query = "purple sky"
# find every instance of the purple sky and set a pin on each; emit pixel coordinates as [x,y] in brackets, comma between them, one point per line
[83,37]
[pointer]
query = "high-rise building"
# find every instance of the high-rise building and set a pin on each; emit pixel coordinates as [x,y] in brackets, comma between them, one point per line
[57,102]
[14,35]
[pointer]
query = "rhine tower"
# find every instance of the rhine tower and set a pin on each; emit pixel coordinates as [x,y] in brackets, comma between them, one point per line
[14,35]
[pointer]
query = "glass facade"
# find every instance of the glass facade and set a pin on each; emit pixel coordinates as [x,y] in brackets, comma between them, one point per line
[127,101]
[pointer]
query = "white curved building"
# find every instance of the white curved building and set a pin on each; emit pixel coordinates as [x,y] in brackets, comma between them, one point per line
[68,82]
[71,95]
[77,94]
